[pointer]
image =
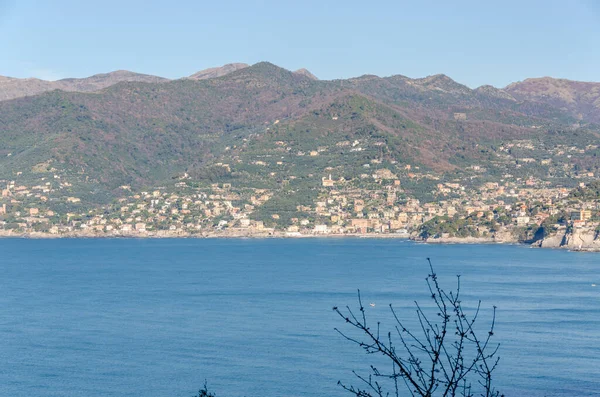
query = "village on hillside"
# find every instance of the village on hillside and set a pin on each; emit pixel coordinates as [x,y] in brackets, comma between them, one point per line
[511,210]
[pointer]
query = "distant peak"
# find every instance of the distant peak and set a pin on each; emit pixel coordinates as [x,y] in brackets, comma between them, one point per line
[116,73]
[435,78]
[441,82]
[547,81]
[494,92]
[219,71]
[365,77]
[265,64]
[307,73]
[488,88]
[121,72]
[267,69]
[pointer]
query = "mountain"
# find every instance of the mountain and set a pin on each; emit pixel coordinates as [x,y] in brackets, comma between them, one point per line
[100,81]
[306,73]
[145,133]
[221,71]
[11,88]
[488,90]
[138,133]
[579,98]
[442,83]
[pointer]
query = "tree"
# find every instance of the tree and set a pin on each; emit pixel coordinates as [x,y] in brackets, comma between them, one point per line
[446,357]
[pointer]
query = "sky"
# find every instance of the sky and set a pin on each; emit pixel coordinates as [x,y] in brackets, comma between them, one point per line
[473,42]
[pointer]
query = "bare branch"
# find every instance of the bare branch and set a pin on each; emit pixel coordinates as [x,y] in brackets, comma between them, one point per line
[439,361]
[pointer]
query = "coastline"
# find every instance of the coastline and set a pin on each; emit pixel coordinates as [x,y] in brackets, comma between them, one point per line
[464,240]
[286,235]
[179,234]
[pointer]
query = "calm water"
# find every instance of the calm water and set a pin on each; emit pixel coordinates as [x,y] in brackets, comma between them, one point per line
[253,317]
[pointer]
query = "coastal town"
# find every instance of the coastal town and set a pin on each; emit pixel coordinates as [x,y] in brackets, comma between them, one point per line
[511,210]
[348,165]
[302,199]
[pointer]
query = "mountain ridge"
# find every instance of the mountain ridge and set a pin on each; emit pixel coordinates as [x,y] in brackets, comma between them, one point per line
[582,98]
[142,134]
[12,88]
[218,71]
[555,91]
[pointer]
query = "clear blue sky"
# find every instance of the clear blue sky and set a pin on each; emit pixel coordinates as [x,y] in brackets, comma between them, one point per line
[474,42]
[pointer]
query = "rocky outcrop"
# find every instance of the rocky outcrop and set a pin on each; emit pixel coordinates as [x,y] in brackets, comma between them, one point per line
[555,241]
[460,240]
[577,239]
[504,235]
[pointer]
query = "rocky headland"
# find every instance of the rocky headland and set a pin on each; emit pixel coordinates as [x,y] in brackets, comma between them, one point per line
[574,239]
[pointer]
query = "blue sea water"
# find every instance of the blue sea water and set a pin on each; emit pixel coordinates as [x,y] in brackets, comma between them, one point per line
[128,317]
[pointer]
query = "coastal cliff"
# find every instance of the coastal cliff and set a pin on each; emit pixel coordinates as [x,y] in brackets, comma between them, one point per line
[575,239]
[503,235]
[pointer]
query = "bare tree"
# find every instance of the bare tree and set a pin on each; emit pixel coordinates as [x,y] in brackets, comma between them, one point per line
[445,357]
[204,392]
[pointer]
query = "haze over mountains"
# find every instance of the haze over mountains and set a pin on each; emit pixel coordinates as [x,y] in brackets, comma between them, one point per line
[127,128]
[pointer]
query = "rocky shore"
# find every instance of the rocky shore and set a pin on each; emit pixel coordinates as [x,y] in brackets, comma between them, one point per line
[574,239]
[577,239]
[459,240]
[499,237]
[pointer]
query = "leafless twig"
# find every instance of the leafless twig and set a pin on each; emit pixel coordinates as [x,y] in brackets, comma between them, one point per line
[444,357]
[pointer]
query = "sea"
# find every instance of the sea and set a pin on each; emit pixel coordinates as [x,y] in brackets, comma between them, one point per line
[253,317]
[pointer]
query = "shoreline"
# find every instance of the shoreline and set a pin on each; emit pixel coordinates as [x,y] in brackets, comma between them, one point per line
[168,235]
[284,235]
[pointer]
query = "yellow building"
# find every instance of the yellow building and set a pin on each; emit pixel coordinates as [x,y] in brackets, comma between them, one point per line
[582,215]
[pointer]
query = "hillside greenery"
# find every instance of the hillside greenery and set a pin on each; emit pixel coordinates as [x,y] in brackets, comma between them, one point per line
[266,127]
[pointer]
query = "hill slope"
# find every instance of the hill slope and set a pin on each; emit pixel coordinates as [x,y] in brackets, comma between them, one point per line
[145,133]
[579,98]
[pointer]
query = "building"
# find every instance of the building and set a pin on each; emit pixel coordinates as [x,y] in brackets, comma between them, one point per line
[582,215]
[327,182]
[321,229]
